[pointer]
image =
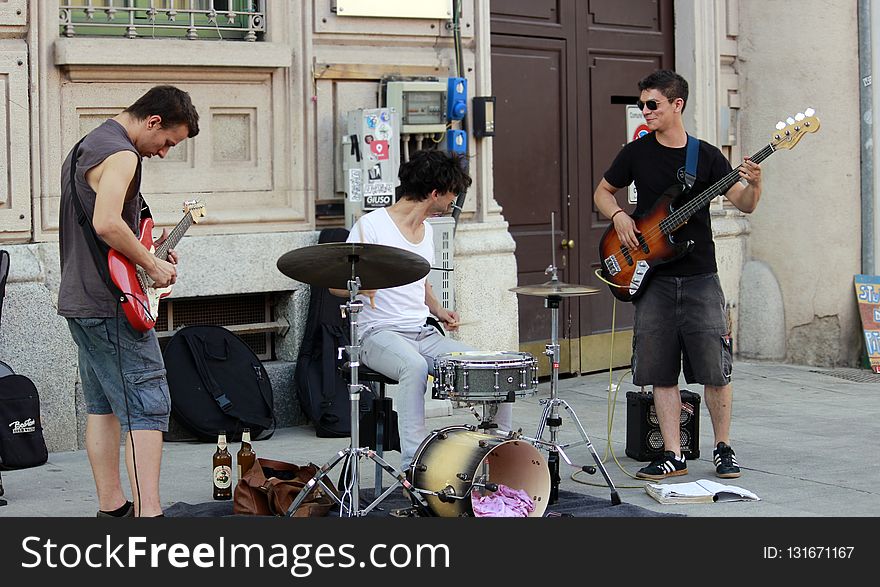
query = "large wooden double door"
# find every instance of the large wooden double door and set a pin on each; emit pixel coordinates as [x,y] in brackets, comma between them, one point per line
[563,72]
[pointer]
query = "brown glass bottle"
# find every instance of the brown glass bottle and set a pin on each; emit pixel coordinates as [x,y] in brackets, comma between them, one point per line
[222,469]
[246,456]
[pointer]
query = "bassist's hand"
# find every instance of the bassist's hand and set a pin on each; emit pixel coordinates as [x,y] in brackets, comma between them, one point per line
[626,230]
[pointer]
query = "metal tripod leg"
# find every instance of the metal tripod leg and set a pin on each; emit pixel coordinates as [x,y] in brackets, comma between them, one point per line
[549,414]
[350,459]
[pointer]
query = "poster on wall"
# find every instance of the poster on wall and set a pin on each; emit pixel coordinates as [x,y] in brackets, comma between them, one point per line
[868,297]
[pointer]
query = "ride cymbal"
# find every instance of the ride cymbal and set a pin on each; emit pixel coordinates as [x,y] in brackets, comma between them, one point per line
[555,288]
[333,264]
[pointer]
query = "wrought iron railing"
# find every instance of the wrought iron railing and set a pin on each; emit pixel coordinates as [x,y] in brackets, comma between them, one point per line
[190,19]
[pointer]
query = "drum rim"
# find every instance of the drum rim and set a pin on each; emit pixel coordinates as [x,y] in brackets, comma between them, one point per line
[467,358]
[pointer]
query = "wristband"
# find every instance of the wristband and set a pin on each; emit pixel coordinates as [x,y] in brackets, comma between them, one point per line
[619,210]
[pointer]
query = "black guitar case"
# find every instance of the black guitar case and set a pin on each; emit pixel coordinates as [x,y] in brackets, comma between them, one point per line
[217,383]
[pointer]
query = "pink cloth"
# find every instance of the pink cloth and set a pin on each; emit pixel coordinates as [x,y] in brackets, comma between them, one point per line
[504,503]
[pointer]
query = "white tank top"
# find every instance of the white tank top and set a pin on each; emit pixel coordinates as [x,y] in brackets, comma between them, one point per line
[402,306]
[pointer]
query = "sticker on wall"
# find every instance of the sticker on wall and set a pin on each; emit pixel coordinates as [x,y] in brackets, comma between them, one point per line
[355,185]
[380,149]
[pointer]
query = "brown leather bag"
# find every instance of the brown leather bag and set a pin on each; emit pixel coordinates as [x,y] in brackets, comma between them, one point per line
[269,488]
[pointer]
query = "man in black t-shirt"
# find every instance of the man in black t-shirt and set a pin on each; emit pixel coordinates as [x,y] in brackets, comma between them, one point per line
[680,315]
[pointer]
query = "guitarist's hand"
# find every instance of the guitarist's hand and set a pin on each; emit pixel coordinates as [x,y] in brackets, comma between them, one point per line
[162,273]
[626,230]
[172,254]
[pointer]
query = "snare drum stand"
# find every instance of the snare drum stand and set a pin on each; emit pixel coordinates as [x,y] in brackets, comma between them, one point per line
[350,457]
[551,418]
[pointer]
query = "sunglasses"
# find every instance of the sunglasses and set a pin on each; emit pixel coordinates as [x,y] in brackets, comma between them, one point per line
[651,104]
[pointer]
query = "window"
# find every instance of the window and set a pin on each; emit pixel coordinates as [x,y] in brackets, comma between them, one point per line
[188,19]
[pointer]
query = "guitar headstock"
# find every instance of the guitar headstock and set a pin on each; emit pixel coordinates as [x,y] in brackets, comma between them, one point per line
[791,131]
[195,208]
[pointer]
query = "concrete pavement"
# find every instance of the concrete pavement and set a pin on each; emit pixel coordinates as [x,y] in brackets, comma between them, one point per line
[806,440]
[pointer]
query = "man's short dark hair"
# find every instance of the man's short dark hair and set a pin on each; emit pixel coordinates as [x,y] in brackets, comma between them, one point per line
[172,104]
[668,82]
[427,171]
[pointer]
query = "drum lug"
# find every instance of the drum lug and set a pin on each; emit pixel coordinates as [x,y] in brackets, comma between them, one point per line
[464,476]
[447,494]
[483,444]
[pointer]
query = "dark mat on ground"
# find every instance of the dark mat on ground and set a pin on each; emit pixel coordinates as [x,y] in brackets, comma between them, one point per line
[569,504]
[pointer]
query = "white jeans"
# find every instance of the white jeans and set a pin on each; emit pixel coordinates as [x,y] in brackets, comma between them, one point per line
[407,355]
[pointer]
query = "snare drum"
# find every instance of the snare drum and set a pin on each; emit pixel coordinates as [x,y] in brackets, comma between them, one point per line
[480,376]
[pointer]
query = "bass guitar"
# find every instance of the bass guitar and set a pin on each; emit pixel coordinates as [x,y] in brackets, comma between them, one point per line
[627,270]
[142,299]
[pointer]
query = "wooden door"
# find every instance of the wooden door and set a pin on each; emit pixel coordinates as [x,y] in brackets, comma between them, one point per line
[562,73]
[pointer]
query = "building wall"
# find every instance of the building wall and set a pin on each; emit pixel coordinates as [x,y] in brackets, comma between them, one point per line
[806,231]
[267,151]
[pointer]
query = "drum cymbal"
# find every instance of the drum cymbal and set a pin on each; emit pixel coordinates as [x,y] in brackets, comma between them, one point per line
[333,264]
[555,288]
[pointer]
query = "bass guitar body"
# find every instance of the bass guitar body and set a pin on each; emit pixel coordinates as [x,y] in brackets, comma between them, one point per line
[630,269]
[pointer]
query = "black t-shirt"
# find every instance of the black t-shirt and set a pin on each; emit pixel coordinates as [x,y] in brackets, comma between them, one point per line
[656,168]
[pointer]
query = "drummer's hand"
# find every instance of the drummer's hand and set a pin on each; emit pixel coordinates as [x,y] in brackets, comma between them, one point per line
[371,294]
[449,318]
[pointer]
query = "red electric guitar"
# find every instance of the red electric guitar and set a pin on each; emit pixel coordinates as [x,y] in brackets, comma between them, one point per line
[628,269]
[142,302]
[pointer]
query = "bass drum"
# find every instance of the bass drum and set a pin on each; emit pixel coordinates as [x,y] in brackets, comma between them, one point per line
[452,457]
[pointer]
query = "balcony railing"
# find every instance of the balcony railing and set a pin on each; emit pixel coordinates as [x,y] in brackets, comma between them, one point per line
[189,19]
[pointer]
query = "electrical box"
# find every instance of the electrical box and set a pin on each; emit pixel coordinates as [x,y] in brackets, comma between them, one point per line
[441,281]
[420,104]
[456,100]
[371,160]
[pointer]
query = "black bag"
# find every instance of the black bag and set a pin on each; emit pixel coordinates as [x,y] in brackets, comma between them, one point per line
[218,383]
[321,389]
[21,432]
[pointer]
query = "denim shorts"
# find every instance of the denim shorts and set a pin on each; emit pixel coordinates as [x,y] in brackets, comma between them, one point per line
[107,345]
[681,320]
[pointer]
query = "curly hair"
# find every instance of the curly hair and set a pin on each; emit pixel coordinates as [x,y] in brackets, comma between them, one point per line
[430,170]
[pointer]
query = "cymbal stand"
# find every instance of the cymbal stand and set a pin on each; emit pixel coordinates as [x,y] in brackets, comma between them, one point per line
[551,418]
[349,502]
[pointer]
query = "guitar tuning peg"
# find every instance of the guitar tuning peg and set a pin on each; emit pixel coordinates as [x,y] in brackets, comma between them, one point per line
[780,125]
[809,112]
[789,120]
[799,116]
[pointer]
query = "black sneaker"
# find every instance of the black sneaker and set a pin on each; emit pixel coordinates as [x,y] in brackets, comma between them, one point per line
[125,511]
[667,465]
[724,458]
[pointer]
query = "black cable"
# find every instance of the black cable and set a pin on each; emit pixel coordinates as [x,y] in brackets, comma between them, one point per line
[137,485]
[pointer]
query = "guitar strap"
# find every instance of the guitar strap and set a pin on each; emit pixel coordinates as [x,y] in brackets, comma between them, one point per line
[690,163]
[97,247]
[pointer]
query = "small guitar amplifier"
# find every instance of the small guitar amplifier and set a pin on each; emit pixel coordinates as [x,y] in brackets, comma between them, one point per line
[644,441]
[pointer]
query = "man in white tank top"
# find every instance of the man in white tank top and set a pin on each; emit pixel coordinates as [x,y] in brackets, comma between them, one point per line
[395,339]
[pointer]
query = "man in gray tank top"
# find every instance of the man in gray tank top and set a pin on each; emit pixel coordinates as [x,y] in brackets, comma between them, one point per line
[121,369]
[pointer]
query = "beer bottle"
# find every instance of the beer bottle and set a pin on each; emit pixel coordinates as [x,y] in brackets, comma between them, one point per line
[246,456]
[222,469]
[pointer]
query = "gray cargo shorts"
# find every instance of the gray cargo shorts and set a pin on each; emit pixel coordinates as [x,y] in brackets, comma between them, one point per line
[141,399]
[681,320]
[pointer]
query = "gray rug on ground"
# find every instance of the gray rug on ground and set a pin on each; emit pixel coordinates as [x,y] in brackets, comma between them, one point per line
[569,504]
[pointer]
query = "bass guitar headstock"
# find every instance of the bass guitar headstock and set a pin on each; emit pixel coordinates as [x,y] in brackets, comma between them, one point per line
[791,131]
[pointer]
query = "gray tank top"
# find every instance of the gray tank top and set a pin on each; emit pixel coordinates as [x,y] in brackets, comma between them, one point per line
[83,293]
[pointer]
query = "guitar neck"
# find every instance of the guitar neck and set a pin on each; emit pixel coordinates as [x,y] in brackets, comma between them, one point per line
[680,216]
[175,236]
